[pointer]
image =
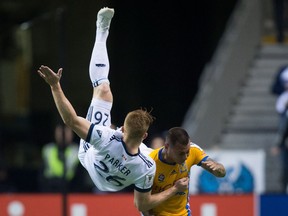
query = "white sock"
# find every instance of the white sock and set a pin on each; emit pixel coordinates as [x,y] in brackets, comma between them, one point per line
[99,62]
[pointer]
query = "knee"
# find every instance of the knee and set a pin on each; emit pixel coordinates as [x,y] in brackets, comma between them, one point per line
[103,91]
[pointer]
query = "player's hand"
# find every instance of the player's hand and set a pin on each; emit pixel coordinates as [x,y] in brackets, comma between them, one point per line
[213,167]
[182,184]
[50,76]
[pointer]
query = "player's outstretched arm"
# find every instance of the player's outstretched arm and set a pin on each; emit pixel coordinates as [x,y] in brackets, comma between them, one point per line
[78,124]
[217,169]
[147,201]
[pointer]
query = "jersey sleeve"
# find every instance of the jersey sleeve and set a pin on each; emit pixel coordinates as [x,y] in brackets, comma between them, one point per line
[198,153]
[98,135]
[144,184]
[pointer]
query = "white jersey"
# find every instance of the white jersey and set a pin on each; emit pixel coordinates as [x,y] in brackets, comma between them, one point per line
[281,103]
[110,166]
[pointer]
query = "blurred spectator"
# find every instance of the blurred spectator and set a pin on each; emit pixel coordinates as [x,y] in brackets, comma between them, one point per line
[278,84]
[55,154]
[282,100]
[282,144]
[6,184]
[157,141]
[280,17]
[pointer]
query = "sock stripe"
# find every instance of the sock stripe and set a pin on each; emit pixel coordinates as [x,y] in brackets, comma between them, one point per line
[98,82]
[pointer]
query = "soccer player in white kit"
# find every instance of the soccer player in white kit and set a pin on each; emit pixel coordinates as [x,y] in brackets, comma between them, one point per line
[114,159]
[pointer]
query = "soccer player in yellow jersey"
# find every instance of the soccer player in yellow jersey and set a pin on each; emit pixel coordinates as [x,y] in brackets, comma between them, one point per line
[173,162]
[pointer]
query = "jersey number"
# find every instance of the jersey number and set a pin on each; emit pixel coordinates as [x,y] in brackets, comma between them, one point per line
[115,180]
[98,117]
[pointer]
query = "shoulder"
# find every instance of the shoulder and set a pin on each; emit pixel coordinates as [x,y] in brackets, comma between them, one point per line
[99,131]
[197,154]
[147,160]
[154,154]
[145,149]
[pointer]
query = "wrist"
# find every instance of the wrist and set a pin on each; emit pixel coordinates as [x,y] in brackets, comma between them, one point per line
[174,190]
[55,86]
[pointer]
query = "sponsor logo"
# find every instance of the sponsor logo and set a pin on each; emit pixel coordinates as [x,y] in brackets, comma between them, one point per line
[161,178]
[124,158]
[99,133]
[100,65]
[173,172]
[183,168]
[148,180]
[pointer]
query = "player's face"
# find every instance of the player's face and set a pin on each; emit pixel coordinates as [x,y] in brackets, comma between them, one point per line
[179,153]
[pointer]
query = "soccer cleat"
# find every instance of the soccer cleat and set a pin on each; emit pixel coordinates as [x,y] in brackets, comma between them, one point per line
[104,18]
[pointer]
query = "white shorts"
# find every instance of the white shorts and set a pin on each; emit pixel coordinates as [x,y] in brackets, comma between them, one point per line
[99,113]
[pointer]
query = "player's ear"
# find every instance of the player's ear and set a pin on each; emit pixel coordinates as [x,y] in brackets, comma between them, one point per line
[145,136]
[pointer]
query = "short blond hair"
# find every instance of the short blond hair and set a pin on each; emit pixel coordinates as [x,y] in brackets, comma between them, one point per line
[137,123]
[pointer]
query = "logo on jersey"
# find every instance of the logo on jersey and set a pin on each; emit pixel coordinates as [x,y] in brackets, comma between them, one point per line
[173,172]
[113,137]
[123,156]
[99,133]
[183,168]
[86,146]
[161,177]
[100,65]
[148,181]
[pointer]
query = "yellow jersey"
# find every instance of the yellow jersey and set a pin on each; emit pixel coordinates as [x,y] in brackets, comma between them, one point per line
[165,176]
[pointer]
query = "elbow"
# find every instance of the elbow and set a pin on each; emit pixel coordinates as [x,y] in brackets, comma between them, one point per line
[68,121]
[221,173]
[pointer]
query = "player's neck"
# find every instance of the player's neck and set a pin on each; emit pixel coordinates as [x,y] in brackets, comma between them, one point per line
[132,151]
[132,146]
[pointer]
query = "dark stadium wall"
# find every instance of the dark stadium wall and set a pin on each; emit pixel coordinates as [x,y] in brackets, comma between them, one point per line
[157,52]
